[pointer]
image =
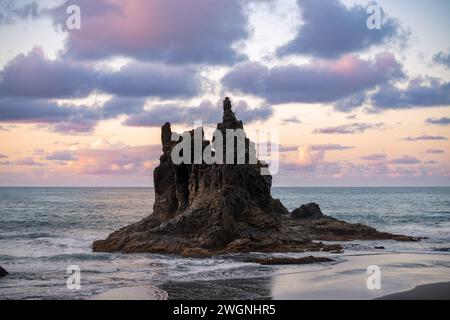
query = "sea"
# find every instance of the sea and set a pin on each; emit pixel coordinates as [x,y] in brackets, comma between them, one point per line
[44,232]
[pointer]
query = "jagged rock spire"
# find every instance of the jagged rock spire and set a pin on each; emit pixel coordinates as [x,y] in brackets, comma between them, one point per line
[229,120]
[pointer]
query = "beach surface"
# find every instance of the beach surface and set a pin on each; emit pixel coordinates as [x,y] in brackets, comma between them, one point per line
[434,291]
[146,292]
[345,279]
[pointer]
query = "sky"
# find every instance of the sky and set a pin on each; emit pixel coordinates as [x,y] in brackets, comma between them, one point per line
[351,106]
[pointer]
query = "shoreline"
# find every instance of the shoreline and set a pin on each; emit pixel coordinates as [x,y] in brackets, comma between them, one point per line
[431,291]
[403,276]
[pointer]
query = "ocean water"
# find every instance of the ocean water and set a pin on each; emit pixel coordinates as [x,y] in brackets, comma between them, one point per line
[43,231]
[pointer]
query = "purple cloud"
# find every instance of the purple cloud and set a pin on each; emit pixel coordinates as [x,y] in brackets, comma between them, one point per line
[330,29]
[375,157]
[316,82]
[32,75]
[330,147]
[435,151]
[405,160]
[444,121]
[292,120]
[28,161]
[425,138]
[416,95]
[2,156]
[144,80]
[442,58]
[349,128]
[61,156]
[198,31]
[206,112]
[64,118]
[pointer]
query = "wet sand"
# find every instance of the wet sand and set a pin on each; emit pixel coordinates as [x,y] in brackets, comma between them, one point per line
[344,280]
[434,291]
[132,293]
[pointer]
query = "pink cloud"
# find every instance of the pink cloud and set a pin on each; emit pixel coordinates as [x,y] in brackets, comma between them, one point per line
[115,160]
[194,31]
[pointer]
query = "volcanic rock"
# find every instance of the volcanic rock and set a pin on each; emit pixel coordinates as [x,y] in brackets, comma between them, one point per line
[3,272]
[296,261]
[308,211]
[202,209]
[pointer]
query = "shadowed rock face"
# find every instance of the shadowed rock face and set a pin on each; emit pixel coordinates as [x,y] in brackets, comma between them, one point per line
[3,272]
[308,211]
[204,208]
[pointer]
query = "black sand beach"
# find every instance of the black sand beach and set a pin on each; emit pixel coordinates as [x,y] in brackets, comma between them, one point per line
[433,291]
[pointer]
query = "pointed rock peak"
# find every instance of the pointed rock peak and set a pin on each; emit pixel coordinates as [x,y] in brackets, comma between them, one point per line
[226,104]
[229,120]
[166,134]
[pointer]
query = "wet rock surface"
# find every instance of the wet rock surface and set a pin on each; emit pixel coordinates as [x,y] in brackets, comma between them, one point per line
[202,209]
[291,261]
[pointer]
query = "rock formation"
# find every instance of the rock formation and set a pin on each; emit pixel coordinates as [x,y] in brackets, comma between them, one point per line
[3,272]
[308,211]
[202,209]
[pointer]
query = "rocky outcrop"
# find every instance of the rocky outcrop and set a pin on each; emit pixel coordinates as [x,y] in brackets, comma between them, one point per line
[3,272]
[205,208]
[308,211]
[288,261]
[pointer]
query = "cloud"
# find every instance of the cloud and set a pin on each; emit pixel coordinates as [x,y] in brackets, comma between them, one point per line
[442,58]
[405,160]
[316,82]
[198,31]
[63,118]
[434,151]
[425,138]
[329,147]
[329,29]
[117,106]
[301,157]
[32,75]
[11,11]
[375,157]
[291,120]
[418,94]
[144,80]
[2,156]
[117,159]
[28,161]
[349,128]
[444,121]
[61,156]
[206,111]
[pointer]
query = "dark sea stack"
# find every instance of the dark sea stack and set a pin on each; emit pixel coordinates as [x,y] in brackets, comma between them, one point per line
[3,272]
[203,209]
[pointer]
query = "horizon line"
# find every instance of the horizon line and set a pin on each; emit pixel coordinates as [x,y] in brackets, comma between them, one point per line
[276,186]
